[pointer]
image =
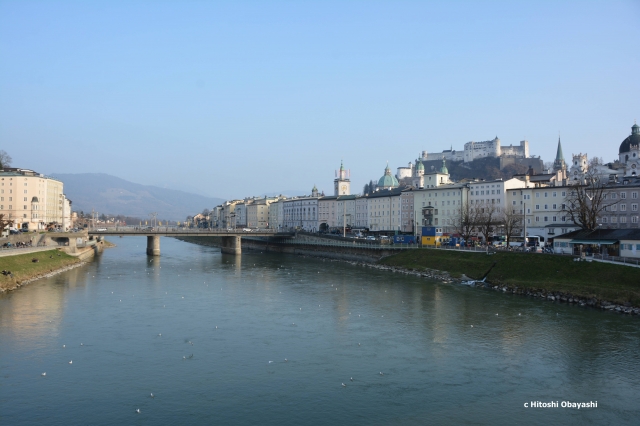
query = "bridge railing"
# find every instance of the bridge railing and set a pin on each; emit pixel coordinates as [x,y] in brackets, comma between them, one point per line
[175,230]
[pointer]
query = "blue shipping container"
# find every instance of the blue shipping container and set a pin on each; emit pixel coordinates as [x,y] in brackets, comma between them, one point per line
[404,239]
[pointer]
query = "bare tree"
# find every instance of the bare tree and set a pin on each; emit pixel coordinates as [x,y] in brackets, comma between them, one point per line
[587,199]
[465,221]
[5,159]
[487,220]
[512,224]
[595,161]
[4,223]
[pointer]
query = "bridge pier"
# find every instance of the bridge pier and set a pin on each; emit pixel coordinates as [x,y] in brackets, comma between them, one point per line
[231,245]
[153,245]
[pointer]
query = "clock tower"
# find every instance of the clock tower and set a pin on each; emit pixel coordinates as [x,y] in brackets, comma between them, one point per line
[342,184]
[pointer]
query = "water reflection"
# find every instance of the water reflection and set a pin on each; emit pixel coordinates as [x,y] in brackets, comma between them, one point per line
[139,316]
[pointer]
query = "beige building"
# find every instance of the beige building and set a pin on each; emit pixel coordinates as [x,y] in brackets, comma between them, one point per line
[33,200]
[258,212]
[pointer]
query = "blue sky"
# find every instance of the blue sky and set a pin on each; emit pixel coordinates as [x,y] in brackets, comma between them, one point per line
[233,99]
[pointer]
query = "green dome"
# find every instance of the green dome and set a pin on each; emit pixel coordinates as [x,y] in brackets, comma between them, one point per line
[388,180]
[419,165]
[444,169]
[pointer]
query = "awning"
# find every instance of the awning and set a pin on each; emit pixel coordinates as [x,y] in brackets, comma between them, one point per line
[593,242]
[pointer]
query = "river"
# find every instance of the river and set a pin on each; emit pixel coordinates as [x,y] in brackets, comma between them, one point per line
[270,339]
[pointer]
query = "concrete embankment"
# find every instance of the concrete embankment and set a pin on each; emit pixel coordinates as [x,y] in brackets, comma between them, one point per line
[304,246]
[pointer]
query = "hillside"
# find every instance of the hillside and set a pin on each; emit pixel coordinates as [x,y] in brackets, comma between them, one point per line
[111,195]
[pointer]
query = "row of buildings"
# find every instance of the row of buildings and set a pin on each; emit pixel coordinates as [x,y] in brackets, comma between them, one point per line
[33,201]
[434,199]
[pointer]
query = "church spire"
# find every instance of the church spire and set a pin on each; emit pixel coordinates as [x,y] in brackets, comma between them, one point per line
[559,163]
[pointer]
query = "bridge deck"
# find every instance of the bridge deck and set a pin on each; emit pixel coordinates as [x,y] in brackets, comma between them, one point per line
[164,232]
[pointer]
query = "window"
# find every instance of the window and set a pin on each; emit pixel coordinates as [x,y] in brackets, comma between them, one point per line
[554,194]
[555,218]
[537,195]
[623,207]
[537,206]
[634,219]
[623,195]
[604,219]
[634,207]
[555,206]
[546,194]
[546,206]
[546,218]
[623,219]
[537,218]
[564,193]
[634,195]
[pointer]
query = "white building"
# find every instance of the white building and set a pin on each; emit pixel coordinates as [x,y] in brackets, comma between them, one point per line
[275,216]
[439,206]
[384,209]
[362,212]
[491,194]
[301,213]
[327,218]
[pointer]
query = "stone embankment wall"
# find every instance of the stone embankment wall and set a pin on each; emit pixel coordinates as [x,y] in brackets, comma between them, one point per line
[305,246]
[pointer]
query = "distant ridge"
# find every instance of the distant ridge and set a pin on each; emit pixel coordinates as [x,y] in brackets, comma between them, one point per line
[111,195]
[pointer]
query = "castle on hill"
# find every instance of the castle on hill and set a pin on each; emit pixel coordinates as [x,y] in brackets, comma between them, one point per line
[474,150]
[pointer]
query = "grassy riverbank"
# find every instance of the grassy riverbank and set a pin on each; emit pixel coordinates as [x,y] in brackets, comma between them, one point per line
[23,268]
[551,273]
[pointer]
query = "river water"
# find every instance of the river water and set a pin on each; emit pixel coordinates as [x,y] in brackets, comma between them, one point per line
[270,339]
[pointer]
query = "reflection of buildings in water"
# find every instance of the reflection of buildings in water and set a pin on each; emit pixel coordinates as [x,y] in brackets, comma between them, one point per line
[36,310]
[441,316]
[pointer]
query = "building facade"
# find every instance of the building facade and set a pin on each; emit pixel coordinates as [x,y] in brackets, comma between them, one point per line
[32,200]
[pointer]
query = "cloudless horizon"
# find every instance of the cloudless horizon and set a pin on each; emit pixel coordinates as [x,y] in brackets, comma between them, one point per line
[234,99]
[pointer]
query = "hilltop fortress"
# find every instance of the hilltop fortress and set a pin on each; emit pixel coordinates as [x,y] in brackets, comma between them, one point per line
[491,152]
[474,150]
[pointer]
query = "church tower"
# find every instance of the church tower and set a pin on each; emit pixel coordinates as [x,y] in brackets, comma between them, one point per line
[342,183]
[559,163]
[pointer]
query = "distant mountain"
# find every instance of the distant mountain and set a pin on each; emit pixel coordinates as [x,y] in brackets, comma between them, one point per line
[111,195]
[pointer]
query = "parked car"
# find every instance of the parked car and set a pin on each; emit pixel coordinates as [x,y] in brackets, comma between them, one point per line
[101,229]
[246,229]
[371,238]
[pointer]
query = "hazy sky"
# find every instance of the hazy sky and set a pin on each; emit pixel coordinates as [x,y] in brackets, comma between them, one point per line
[233,99]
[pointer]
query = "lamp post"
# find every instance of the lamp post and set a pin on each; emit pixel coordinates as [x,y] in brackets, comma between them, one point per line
[599,240]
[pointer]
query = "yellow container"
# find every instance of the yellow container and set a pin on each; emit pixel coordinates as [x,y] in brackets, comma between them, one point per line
[434,241]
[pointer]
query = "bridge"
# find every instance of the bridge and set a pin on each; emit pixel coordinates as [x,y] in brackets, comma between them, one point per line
[231,239]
